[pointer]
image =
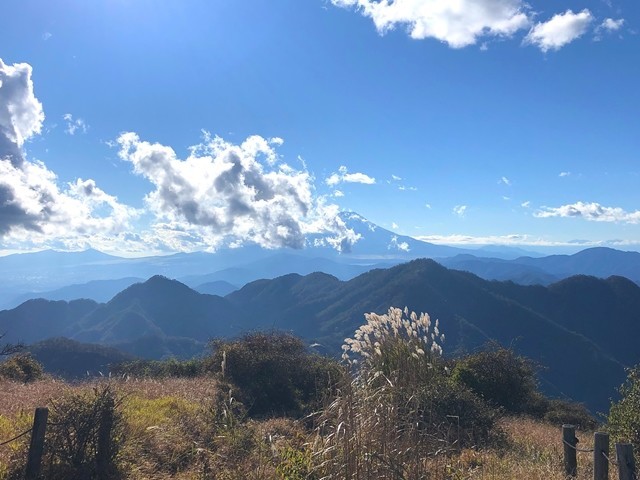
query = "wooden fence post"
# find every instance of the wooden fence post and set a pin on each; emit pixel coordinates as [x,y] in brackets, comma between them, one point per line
[103,453]
[600,461]
[569,443]
[626,462]
[36,447]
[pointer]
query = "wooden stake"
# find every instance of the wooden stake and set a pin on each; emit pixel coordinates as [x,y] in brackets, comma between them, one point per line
[569,443]
[36,447]
[600,462]
[626,462]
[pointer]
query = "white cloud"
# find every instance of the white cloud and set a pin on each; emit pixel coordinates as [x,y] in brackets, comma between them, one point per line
[34,210]
[505,181]
[561,30]
[395,245]
[343,175]
[232,194]
[338,193]
[394,225]
[21,113]
[564,174]
[221,194]
[590,211]
[74,125]
[460,210]
[457,23]
[526,204]
[609,25]
[427,205]
[396,178]
[512,240]
[46,36]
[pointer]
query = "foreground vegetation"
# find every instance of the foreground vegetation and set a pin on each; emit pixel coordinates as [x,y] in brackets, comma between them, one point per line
[264,407]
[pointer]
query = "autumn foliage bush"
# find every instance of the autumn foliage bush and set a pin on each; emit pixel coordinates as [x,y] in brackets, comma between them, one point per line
[21,367]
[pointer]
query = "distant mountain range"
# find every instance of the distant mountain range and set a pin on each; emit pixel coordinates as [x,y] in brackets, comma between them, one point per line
[583,329]
[599,262]
[94,275]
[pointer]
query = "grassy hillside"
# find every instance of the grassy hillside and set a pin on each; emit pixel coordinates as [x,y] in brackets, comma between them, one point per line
[265,407]
[165,423]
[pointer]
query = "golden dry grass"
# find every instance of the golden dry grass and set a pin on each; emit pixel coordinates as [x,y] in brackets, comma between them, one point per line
[170,436]
[533,450]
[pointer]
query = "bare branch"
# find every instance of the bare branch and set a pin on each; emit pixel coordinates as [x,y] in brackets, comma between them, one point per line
[10,348]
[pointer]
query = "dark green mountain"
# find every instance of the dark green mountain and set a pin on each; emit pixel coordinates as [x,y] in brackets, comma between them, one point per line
[581,330]
[70,359]
[39,319]
[472,311]
[159,307]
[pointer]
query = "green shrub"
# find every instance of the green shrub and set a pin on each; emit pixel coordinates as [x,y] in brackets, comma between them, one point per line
[160,368]
[456,414]
[274,373]
[560,412]
[22,368]
[624,415]
[84,435]
[294,464]
[500,377]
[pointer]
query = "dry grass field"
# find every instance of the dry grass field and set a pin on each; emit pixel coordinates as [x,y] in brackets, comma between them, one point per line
[169,432]
[263,407]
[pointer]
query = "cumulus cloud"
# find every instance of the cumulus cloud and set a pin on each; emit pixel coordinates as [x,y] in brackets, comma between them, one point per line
[564,174]
[561,30]
[21,113]
[590,211]
[74,124]
[609,25]
[396,245]
[457,23]
[460,210]
[34,209]
[232,194]
[343,175]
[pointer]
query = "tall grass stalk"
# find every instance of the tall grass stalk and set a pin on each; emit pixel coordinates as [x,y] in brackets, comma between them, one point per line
[384,422]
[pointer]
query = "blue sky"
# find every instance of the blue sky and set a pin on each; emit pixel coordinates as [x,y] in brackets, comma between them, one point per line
[467,122]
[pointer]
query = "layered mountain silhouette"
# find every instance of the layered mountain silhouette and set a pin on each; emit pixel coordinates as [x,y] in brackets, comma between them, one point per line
[91,274]
[580,330]
[599,262]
